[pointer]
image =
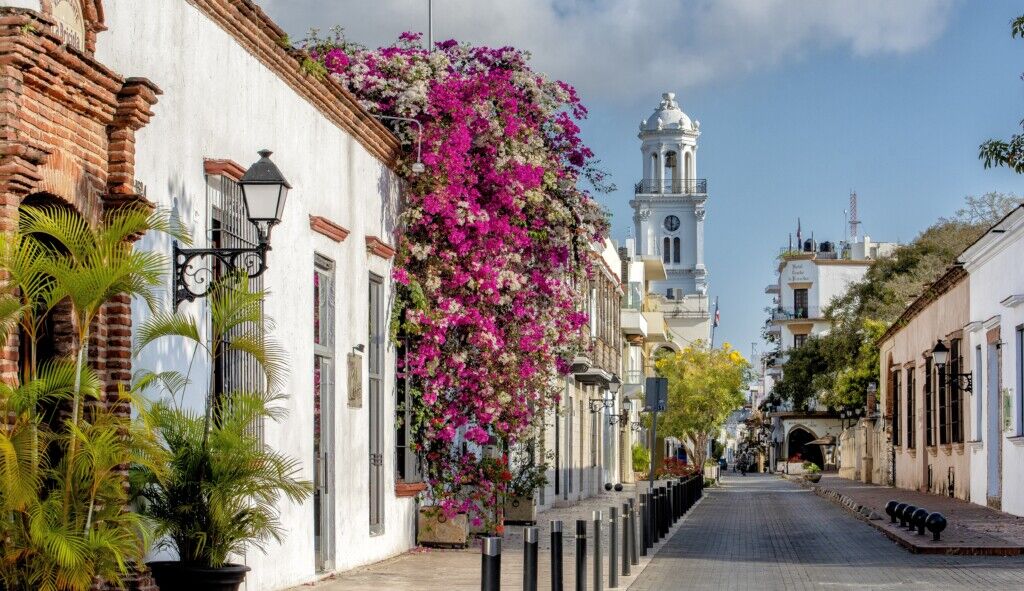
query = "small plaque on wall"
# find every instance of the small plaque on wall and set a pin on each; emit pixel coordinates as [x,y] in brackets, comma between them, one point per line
[355,380]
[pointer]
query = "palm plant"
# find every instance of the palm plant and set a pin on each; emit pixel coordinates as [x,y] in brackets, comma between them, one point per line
[220,492]
[62,495]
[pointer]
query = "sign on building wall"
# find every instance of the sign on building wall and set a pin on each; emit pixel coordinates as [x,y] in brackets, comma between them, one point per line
[355,380]
[70,23]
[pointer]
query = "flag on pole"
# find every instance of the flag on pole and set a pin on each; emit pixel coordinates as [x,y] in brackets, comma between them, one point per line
[718,315]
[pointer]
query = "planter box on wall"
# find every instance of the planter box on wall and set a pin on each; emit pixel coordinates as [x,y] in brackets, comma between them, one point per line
[437,530]
[520,510]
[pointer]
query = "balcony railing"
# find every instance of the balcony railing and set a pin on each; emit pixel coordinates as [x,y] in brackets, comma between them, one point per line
[796,313]
[672,186]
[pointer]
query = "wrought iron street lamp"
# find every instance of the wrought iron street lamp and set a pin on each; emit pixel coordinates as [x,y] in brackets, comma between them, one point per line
[264,192]
[940,355]
[597,404]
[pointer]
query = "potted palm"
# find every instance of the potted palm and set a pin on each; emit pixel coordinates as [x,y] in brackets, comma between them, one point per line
[218,495]
[812,472]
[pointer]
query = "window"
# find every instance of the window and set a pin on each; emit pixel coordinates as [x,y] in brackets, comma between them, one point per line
[895,392]
[666,251]
[675,250]
[230,227]
[977,392]
[800,303]
[375,371]
[323,410]
[956,423]
[942,389]
[1020,379]
[929,405]
[799,340]
[911,414]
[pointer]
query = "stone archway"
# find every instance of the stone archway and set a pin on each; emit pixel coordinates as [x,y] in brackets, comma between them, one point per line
[797,443]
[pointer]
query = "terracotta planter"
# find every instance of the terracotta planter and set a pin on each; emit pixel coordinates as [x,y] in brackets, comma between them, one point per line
[172,575]
[812,477]
[520,510]
[437,530]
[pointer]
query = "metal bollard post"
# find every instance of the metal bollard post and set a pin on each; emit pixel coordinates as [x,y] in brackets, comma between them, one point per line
[679,499]
[556,556]
[669,494]
[613,547]
[581,555]
[490,564]
[634,539]
[645,534]
[627,539]
[663,511]
[655,527]
[531,538]
[598,580]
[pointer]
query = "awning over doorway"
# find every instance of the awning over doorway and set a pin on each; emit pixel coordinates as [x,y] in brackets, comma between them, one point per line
[826,440]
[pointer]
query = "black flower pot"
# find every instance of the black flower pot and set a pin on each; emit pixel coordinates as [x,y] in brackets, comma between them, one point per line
[182,576]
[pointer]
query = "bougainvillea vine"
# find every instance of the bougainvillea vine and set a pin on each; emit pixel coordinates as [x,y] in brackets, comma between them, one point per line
[494,239]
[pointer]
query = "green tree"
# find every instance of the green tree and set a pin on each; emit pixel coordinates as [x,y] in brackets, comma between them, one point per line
[704,386]
[1010,152]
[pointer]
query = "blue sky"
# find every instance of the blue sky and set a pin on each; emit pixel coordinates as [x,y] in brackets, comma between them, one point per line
[799,103]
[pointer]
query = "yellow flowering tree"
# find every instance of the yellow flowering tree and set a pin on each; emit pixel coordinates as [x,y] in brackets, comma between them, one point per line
[704,386]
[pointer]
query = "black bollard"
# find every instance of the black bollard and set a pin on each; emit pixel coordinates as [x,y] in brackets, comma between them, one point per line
[917,520]
[935,524]
[627,539]
[652,514]
[598,580]
[666,512]
[634,539]
[613,547]
[645,534]
[905,515]
[556,556]
[531,538]
[490,564]
[581,555]
[898,511]
[890,510]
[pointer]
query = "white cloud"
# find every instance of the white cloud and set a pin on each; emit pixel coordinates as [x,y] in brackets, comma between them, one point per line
[620,49]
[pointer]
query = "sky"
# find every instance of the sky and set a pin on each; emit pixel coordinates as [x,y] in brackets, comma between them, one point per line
[800,102]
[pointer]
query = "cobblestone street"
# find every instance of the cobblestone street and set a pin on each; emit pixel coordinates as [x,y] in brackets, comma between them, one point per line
[762,532]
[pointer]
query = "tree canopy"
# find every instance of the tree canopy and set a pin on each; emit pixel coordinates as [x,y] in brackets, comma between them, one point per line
[704,386]
[1010,152]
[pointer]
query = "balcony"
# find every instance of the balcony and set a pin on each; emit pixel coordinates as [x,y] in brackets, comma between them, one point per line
[783,313]
[633,322]
[656,328]
[671,187]
[772,288]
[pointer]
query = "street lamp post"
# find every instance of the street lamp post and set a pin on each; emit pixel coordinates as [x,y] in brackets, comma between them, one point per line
[264,192]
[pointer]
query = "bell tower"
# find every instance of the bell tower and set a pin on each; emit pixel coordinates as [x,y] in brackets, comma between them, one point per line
[668,206]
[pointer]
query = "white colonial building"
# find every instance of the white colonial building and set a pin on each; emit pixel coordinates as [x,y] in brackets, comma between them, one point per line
[808,280]
[669,210]
[994,341]
[208,84]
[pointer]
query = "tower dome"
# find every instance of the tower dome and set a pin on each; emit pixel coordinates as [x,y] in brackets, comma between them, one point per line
[668,115]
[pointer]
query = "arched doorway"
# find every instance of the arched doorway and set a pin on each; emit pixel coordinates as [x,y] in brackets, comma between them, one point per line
[799,450]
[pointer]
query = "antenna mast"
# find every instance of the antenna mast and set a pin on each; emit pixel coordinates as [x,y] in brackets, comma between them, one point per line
[854,220]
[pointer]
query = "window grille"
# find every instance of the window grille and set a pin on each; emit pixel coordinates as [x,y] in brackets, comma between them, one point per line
[230,227]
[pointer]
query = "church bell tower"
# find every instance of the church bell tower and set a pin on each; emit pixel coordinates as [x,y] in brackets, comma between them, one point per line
[669,210]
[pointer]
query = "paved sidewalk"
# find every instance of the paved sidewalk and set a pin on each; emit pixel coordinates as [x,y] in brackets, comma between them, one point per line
[430,569]
[972,529]
[765,533]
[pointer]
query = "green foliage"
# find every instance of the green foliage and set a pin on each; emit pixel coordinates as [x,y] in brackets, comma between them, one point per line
[1010,153]
[717,450]
[219,493]
[811,468]
[528,475]
[704,386]
[641,458]
[61,479]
